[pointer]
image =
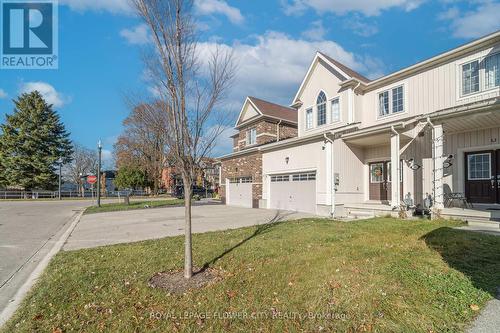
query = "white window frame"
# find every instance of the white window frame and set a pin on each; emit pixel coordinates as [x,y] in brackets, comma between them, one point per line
[325,103]
[251,136]
[481,58]
[461,69]
[309,125]
[389,91]
[497,54]
[331,110]
[469,169]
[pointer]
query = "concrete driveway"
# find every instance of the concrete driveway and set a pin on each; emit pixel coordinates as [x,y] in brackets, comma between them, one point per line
[130,226]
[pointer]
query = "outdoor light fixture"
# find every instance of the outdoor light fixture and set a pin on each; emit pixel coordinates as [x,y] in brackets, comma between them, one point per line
[412,165]
[287,159]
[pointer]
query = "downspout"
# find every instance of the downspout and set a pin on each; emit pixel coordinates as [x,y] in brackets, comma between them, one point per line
[395,182]
[332,185]
[433,161]
[278,130]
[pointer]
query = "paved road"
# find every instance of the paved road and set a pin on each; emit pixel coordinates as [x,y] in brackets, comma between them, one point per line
[26,229]
[120,227]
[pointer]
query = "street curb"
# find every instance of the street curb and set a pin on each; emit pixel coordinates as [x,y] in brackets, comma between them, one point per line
[11,308]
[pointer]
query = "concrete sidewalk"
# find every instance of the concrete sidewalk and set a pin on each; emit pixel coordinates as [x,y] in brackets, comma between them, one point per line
[131,226]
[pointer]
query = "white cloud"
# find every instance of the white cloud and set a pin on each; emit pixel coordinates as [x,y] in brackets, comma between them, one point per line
[139,35]
[113,6]
[208,7]
[3,94]
[341,7]
[274,66]
[359,27]
[316,31]
[49,93]
[479,22]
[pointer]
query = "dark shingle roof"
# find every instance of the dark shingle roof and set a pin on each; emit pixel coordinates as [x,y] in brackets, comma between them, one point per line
[275,110]
[346,69]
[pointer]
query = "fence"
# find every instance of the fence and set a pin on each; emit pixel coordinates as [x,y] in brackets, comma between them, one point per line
[41,194]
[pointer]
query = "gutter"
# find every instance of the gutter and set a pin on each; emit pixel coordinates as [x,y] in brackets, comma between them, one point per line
[332,185]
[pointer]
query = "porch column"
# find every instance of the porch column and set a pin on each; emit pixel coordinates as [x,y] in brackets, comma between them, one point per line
[329,173]
[437,156]
[395,170]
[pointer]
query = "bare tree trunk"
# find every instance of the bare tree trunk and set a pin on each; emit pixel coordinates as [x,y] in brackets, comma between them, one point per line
[188,249]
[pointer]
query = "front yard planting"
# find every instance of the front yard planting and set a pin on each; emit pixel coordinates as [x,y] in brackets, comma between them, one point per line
[383,275]
[143,204]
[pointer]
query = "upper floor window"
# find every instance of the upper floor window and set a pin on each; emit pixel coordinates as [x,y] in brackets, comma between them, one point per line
[391,101]
[251,136]
[309,118]
[383,100]
[470,77]
[321,106]
[335,110]
[492,71]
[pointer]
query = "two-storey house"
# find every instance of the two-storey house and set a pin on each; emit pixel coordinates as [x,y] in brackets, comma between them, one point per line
[259,123]
[433,127]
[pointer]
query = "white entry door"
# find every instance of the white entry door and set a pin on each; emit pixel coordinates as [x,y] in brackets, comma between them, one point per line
[240,193]
[295,192]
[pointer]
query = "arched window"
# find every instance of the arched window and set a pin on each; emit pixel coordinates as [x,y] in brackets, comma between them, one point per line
[321,107]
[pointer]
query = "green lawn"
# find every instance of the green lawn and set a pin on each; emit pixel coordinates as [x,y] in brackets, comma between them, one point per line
[383,275]
[143,204]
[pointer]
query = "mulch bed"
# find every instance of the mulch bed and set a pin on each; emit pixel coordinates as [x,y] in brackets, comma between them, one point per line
[176,283]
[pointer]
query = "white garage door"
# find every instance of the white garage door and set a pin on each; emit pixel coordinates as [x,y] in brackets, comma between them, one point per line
[240,192]
[296,192]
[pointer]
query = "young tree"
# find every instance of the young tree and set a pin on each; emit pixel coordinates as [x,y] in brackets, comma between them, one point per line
[143,143]
[84,162]
[189,91]
[130,178]
[32,141]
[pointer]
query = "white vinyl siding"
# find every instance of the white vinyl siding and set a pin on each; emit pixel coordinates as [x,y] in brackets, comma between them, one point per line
[470,77]
[309,118]
[251,137]
[492,71]
[335,110]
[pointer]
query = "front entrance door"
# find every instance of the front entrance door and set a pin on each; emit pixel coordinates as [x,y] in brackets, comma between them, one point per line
[380,181]
[482,176]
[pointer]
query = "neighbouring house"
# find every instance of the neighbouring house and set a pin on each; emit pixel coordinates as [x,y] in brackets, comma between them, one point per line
[207,176]
[433,127]
[259,123]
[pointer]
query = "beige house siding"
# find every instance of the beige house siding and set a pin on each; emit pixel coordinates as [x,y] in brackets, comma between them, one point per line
[428,91]
[321,79]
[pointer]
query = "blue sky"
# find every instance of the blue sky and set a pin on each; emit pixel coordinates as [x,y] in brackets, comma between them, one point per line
[274,41]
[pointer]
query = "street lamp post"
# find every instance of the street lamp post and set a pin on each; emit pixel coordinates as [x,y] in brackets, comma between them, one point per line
[99,148]
[60,177]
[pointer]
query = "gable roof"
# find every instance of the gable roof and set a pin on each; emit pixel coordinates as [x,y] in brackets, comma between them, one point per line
[344,68]
[268,109]
[345,72]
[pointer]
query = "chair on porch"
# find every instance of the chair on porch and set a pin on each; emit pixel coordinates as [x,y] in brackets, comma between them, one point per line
[451,198]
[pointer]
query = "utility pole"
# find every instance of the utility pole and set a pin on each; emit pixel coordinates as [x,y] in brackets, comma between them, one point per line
[99,148]
[60,177]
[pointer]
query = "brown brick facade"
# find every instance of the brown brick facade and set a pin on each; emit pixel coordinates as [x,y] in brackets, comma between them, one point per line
[249,165]
[267,132]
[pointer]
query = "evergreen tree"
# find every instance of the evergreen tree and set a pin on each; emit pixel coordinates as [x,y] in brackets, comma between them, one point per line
[32,140]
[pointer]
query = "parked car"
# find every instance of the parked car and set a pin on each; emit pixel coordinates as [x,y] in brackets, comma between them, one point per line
[196,190]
